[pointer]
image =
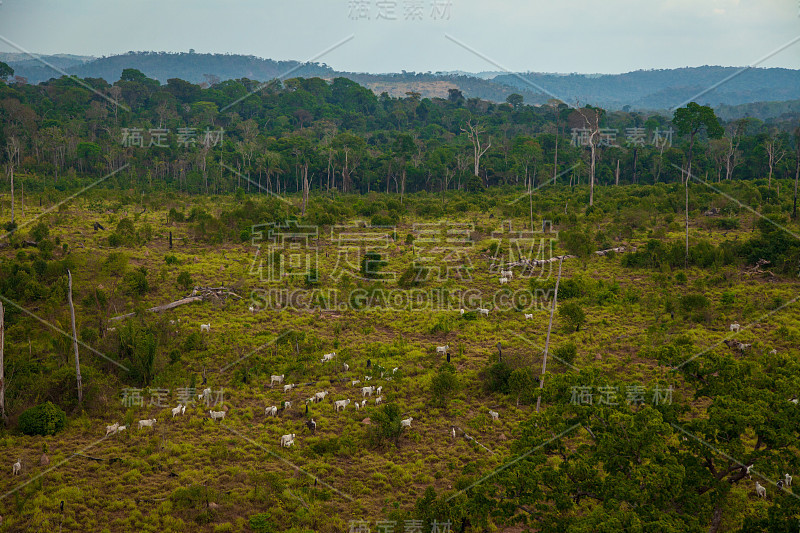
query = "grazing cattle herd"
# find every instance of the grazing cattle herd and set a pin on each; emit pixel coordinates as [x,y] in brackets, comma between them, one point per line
[288,440]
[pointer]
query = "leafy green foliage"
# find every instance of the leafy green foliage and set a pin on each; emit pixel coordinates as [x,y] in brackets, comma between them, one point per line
[566,352]
[444,384]
[44,419]
[573,315]
[385,425]
[496,376]
[185,280]
[136,282]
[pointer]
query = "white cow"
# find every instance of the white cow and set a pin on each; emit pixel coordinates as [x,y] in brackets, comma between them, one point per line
[735,327]
[271,411]
[16,467]
[341,404]
[252,309]
[528,316]
[205,395]
[346,367]
[503,281]
[494,414]
[395,369]
[177,410]
[788,480]
[287,440]
[287,405]
[367,378]
[507,274]
[442,349]
[406,422]
[147,423]
[217,415]
[276,379]
[367,390]
[110,430]
[484,312]
[328,357]
[761,491]
[205,327]
[320,396]
[461,312]
[356,382]
[123,428]
[287,388]
[378,400]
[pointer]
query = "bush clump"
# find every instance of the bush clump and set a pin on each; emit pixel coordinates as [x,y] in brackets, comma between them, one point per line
[44,419]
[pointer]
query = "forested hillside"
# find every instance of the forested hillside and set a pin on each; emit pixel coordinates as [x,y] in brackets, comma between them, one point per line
[642,89]
[340,135]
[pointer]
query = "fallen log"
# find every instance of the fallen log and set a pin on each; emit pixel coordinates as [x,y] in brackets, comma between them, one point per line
[89,457]
[158,309]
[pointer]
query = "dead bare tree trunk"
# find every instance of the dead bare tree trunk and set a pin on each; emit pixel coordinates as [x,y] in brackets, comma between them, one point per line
[616,178]
[305,189]
[3,365]
[686,257]
[11,169]
[595,130]
[555,159]
[547,340]
[774,156]
[75,341]
[473,134]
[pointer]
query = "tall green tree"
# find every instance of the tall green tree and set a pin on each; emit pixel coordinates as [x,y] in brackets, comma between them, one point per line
[691,120]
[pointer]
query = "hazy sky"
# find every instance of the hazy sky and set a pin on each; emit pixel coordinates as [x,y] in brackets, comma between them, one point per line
[547,36]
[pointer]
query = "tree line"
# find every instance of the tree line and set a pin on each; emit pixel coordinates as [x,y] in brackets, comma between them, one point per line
[300,134]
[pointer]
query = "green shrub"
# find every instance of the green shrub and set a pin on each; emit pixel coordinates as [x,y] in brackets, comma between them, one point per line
[44,419]
[444,384]
[136,282]
[573,315]
[385,425]
[175,216]
[40,232]
[194,342]
[694,302]
[566,352]
[522,384]
[495,378]
[728,297]
[185,280]
[371,265]
[262,523]
[413,276]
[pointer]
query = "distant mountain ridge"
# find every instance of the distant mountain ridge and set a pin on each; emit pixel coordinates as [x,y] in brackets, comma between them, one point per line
[642,89]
